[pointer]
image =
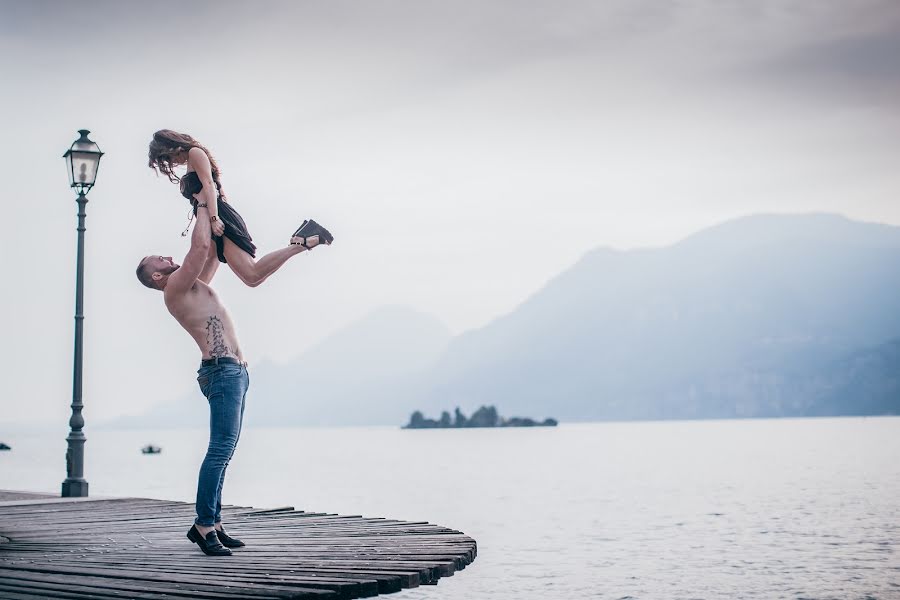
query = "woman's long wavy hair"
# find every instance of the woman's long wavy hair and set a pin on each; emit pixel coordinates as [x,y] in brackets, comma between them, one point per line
[166,143]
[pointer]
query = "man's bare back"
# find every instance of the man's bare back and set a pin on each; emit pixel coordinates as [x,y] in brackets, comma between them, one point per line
[202,314]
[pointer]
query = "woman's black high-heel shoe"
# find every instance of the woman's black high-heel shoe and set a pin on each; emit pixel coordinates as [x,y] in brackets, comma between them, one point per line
[310,228]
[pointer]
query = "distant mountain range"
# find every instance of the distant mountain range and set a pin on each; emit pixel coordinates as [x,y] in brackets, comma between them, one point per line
[760,316]
[769,315]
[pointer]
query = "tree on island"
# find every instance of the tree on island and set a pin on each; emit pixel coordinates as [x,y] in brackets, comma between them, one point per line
[485,416]
[417,419]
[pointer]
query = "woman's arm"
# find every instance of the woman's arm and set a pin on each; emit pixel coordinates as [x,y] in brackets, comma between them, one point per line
[199,162]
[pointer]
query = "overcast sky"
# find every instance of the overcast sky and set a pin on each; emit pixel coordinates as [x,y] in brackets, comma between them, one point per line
[461,152]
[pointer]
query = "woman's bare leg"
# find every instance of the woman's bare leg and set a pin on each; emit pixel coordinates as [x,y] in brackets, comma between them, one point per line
[251,271]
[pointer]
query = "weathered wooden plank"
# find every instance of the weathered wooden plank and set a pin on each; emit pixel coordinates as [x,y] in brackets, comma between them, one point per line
[388,578]
[114,578]
[116,587]
[16,592]
[355,584]
[345,587]
[13,593]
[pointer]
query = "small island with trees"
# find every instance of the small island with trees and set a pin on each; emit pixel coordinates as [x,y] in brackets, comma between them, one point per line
[486,416]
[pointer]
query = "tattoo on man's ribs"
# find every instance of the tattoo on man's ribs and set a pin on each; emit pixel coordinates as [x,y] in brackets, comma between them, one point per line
[215,337]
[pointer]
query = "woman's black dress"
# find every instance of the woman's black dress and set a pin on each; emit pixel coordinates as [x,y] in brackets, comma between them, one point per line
[235,228]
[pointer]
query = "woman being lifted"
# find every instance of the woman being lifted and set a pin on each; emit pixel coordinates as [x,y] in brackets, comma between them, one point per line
[201,186]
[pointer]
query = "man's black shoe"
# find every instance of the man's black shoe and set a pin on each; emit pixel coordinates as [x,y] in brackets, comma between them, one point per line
[227,540]
[210,544]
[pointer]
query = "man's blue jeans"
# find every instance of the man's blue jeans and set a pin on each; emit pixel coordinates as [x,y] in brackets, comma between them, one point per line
[225,387]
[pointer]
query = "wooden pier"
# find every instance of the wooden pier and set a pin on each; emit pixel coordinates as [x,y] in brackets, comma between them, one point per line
[136,548]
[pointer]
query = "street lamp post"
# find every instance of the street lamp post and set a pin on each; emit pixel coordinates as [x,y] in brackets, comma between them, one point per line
[82,160]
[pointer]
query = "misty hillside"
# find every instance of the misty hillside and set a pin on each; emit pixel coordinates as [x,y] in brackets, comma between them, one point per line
[736,320]
[351,378]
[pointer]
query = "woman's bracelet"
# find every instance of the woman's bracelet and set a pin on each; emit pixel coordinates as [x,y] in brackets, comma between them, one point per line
[201,204]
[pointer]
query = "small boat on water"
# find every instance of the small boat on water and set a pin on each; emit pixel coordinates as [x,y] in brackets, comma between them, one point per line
[4,446]
[149,449]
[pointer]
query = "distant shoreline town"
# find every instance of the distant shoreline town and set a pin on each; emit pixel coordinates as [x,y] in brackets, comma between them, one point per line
[486,416]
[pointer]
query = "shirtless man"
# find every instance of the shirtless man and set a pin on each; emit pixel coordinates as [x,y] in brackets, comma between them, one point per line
[223,373]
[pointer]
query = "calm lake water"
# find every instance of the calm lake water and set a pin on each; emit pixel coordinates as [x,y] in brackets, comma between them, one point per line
[793,508]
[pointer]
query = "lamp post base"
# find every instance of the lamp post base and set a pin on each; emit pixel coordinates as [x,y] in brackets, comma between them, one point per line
[74,488]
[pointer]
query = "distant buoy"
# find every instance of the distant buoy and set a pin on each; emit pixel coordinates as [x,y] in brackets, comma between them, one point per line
[151,449]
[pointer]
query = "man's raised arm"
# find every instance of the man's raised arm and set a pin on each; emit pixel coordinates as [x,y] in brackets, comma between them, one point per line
[212,264]
[184,277]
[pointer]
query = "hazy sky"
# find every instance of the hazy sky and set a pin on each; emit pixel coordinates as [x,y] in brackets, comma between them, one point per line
[462,153]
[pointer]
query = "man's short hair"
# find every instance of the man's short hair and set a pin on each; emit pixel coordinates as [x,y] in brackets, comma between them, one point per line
[144,275]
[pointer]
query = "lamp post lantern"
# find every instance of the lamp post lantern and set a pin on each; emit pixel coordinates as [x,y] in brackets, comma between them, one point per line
[82,160]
